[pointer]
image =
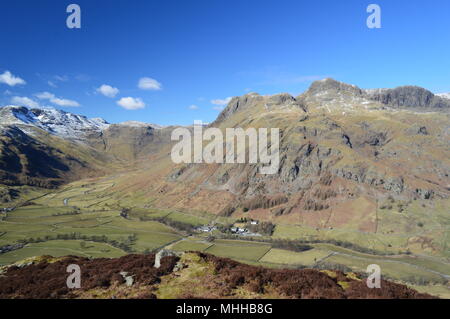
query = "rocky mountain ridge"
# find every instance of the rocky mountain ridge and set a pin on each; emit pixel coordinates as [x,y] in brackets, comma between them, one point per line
[409,96]
[331,94]
[58,122]
[53,121]
[336,138]
[444,95]
[70,125]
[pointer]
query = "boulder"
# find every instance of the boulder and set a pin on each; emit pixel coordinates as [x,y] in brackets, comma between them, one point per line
[163,253]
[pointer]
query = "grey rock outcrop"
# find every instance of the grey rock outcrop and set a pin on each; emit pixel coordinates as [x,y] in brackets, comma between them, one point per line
[331,85]
[239,103]
[251,100]
[128,279]
[161,254]
[408,96]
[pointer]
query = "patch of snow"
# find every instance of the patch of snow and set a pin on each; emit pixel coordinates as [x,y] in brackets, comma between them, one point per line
[374,91]
[444,95]
[57,122]
[140,124]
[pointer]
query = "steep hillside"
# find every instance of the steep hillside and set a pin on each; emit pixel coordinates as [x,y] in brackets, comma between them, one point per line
[130,140]
[43,160]
[336,146]
[46,147]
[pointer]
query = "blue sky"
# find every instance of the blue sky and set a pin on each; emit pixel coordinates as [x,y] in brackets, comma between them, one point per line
[201,51]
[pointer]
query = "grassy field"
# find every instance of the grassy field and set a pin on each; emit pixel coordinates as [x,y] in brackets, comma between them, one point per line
[57,248]
[401,271]
[188,218]
[191,245]
[286,257]
[238,249]
[235,249]
[418,227]
[78,209]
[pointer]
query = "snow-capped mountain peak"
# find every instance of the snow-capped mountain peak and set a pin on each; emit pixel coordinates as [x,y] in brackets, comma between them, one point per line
[140,124]
[57,122]
[444,95]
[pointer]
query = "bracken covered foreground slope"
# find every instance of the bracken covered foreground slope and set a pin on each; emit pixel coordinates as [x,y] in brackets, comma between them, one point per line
[193,275]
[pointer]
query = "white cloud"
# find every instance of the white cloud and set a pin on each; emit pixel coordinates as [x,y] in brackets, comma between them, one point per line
[83,78]
[52,84]
[131,103]
[193,107]
[108,90]
[64,102]
[45,96]
[60,78]
[56,79]
[55,100]
[149,84]
[218,108]
[24,101]
[8,78]
[221,102]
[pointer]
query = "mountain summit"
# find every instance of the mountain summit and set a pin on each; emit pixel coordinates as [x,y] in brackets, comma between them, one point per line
[331,95]
[409,96]
[406,97]
[444,95]
[57,122]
